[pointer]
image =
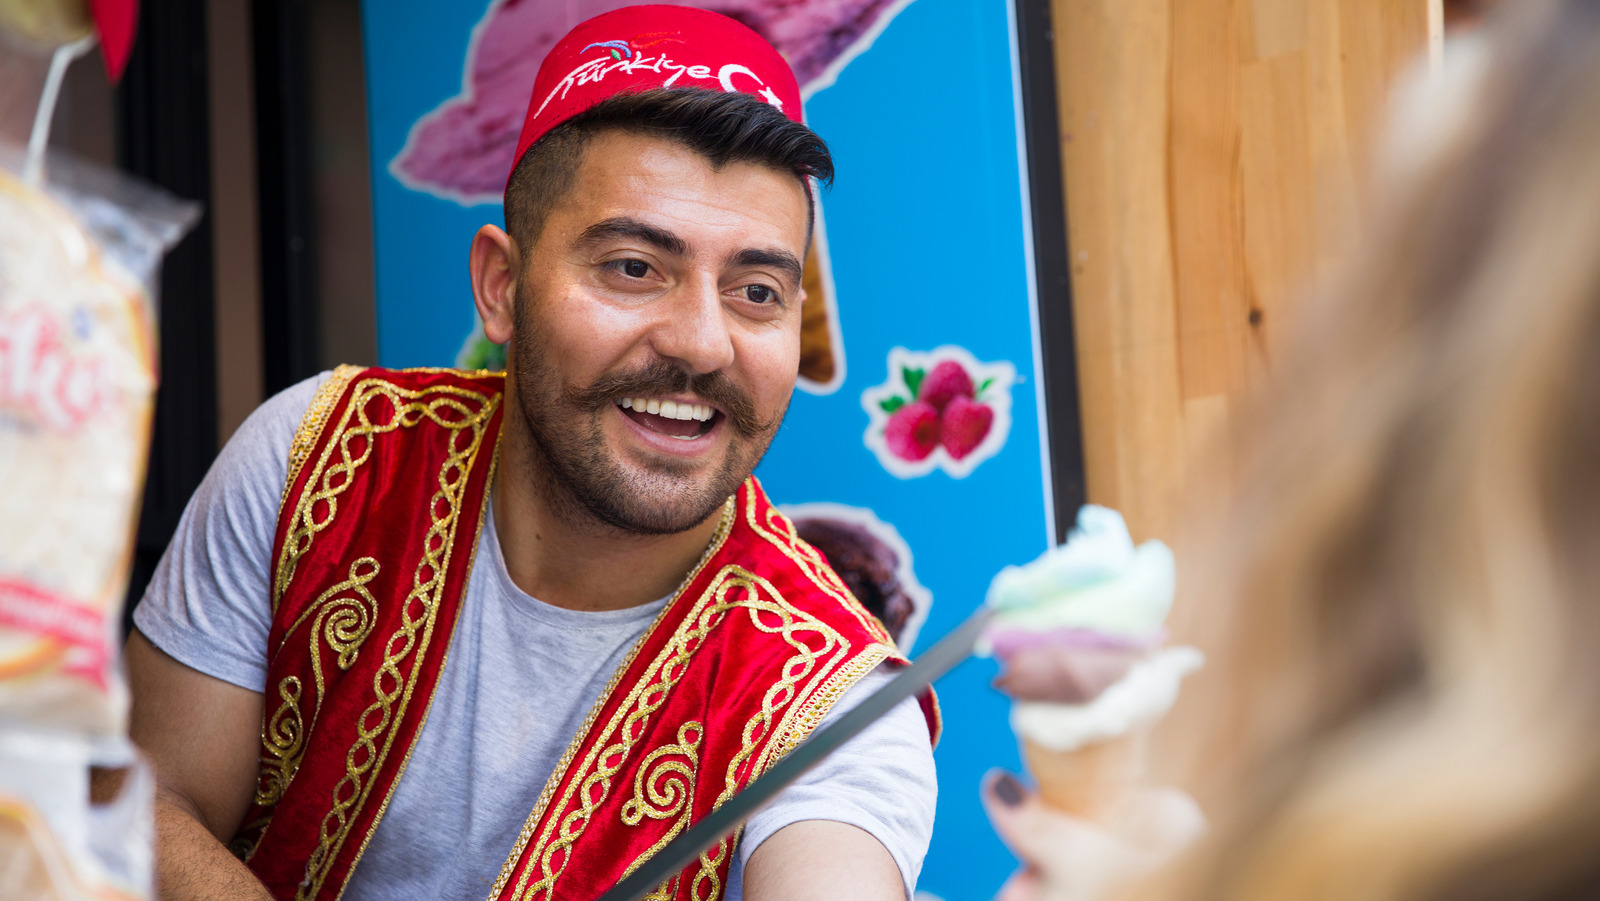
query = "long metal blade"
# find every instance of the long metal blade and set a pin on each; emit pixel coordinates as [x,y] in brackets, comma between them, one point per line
[678,853]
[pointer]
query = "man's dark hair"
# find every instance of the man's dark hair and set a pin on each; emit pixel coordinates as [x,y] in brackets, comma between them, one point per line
[722,126]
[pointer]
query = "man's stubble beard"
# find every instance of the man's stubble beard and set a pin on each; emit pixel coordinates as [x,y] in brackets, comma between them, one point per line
[577,473]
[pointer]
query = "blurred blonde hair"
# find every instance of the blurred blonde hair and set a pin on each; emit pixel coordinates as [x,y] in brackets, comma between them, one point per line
[1402,613]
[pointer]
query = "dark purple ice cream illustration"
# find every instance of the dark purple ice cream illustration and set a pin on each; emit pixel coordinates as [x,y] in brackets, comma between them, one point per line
[462,149]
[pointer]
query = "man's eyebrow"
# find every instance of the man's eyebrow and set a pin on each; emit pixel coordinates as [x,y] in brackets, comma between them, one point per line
[781,260]
[624,227]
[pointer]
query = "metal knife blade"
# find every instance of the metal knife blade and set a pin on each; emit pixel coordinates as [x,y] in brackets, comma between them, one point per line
[935,662]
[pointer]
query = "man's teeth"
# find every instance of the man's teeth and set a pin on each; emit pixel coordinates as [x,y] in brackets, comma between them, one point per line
[668,409]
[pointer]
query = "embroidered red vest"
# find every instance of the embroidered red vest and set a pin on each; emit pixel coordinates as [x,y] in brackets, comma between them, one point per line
[388,479]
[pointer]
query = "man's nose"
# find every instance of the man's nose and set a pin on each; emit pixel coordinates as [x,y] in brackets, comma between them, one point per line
[694,328]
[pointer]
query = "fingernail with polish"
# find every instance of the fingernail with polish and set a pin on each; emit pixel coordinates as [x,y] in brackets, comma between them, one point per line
[1009,790]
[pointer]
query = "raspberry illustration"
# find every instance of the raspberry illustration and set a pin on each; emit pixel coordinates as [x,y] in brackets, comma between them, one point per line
[948,380]
[912,432]
[963,425]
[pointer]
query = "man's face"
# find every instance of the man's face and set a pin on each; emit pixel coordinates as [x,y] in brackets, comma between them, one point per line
[657,331]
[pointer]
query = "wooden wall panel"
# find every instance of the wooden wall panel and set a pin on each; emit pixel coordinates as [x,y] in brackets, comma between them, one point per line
[1214,154]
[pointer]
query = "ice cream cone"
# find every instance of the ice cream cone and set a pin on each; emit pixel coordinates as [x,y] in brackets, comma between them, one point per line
[817,362]
[1086,781]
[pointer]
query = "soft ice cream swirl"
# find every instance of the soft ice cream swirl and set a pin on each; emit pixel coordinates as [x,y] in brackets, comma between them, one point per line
[1096,582]
[1095,591]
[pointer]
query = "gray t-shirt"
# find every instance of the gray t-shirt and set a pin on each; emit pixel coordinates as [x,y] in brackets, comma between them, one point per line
[520,679]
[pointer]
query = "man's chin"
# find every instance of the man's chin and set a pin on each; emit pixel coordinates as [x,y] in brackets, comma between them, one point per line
[664,498]
[655,515]
[635,490]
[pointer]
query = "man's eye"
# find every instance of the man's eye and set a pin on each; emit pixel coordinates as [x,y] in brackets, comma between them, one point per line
[760,294]
[630,268]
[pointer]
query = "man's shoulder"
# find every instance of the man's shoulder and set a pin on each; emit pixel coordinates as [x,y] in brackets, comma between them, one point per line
[259,447]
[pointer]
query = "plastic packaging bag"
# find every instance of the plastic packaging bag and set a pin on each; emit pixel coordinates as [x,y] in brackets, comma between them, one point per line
[80,249]
[77,383]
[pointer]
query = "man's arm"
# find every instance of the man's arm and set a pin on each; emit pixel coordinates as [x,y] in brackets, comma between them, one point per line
[857,824]
[197,664]
[820,860]
[202,737]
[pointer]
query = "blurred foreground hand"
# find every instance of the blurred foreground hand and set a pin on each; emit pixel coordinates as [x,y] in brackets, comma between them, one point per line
[1066,858]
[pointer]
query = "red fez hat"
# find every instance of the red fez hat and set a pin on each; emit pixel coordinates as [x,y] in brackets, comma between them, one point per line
[640,48]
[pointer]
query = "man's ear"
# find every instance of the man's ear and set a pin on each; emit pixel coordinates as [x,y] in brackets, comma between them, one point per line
[495,265]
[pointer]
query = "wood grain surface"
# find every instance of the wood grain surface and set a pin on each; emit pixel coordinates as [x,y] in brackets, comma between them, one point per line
[1214,153]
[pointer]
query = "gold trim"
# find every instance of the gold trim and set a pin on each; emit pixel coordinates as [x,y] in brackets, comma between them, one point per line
[364,758]
[305,521]
[664,788]
[810,682]
[803,717]
[724,528]
[302,524]
[314,419]
[464,373]
[284,743]
[812,563]
[405,762]
[341,621]
[755,595]
[312,423]
[344,623]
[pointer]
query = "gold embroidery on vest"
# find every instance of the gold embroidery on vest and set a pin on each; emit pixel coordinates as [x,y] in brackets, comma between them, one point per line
[805,716]
[802,718]
[472,557]
[313,421]
[344,622]
[676,800]
[757,596]
[646,697]
[342,617]
[284,742]
[319,501]
[462,413]
[815,701]
[419,608]
[558,777]
[664,787]
[779,531]
[707,884]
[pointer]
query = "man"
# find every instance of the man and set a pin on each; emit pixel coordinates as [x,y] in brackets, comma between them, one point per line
[438,635]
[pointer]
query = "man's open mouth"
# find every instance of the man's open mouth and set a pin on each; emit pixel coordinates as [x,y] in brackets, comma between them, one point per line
[685,421]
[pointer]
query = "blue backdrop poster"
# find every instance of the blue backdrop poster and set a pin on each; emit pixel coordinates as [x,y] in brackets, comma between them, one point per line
[919,421]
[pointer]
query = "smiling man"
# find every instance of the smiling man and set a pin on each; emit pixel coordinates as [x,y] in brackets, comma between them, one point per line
[432,634]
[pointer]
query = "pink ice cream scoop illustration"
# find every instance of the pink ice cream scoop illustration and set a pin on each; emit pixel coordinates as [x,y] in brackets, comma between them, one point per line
[462,150]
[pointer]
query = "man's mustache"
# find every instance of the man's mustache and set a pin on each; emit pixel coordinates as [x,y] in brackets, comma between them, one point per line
[662,378]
